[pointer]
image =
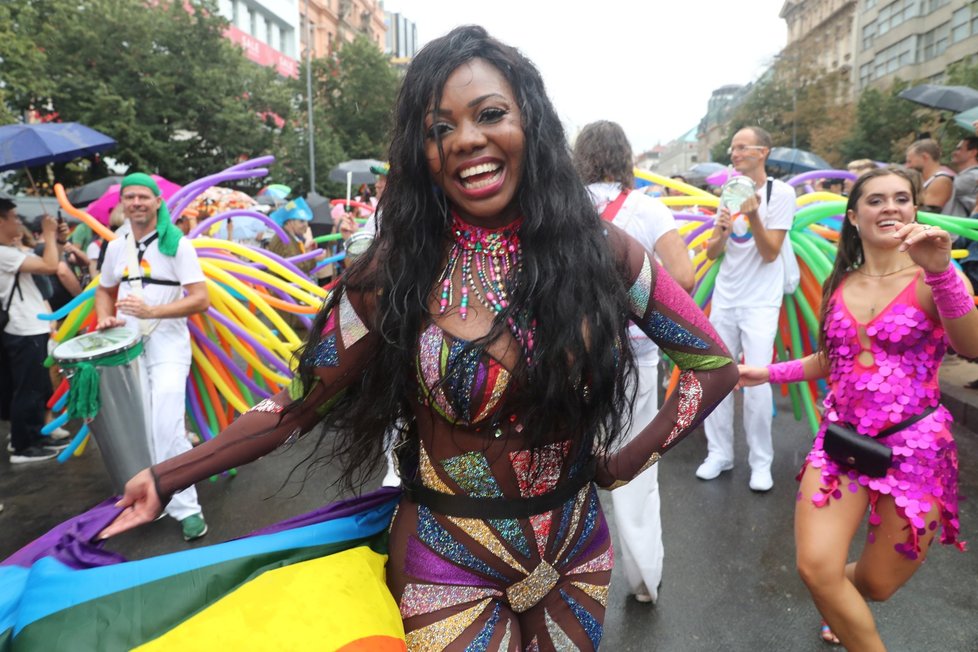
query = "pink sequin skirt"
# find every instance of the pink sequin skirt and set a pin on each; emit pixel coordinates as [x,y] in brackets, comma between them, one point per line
[924,471]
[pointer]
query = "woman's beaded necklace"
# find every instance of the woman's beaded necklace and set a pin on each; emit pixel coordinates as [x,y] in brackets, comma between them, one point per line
[485,258]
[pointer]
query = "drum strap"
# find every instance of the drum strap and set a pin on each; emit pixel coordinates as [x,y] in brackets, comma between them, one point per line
[141,248]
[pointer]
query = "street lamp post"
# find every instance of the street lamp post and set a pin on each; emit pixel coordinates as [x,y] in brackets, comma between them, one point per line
[312,136]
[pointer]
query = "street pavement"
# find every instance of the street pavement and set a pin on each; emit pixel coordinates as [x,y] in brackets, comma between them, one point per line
[729,581]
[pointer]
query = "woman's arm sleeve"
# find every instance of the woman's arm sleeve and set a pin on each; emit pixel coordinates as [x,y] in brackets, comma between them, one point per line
[340,357]
[669,317]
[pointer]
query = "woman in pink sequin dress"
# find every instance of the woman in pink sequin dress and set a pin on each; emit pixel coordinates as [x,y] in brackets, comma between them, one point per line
[889,308]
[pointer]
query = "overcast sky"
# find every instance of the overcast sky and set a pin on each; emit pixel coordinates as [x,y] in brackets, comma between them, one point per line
[649,65]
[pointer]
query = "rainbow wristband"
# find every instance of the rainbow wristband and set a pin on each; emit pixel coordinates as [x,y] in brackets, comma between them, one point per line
[791,371]
[950,295]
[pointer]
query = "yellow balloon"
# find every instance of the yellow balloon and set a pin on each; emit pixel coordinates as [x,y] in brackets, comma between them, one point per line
[699,200]
[675,184]
[257,257]
[812,197]
[253,362]
[227,305]
[207,368]
[218,274]
[265,277]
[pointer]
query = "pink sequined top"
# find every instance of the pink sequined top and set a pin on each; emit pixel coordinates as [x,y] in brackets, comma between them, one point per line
[907,346]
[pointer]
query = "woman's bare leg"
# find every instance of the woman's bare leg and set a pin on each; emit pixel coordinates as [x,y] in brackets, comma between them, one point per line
[881,569]
[822,538]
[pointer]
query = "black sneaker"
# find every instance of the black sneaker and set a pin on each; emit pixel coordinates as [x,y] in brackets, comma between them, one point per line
[55,445]
[32,454]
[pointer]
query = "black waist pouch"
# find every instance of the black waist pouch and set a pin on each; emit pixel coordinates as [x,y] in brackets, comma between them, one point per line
[862,452]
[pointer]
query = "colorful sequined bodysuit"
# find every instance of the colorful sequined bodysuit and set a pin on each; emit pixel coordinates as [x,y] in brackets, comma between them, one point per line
[907,346]
[536,583]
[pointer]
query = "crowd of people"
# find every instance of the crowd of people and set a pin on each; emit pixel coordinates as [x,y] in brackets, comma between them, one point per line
[500,337]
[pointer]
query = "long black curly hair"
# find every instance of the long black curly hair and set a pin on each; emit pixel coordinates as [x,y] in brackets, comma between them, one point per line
[568,285]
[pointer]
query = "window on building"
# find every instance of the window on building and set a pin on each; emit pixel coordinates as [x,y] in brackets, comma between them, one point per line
[869,34]
[933,43]
[895,14]
[865,75]
[891,59]
[932,5]
[960,27]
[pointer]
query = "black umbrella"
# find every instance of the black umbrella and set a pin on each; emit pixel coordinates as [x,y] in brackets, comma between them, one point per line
[697,174]
[789,160]
[86,194]
[360,167]
[944,98]
[321,222]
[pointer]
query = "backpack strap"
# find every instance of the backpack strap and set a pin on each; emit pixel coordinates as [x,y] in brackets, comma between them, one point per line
[14,288]
[611,210]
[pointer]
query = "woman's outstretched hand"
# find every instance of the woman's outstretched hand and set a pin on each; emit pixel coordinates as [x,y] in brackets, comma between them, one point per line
[750,376]
[929,246]
[141,503]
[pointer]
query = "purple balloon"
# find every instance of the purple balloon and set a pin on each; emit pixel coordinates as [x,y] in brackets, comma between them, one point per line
[196,410]
[226,215]
[260,349]
[198,187]
[799,179]
[210,180]
[226,360]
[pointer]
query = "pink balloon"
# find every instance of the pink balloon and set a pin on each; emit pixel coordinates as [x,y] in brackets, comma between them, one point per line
[102,207]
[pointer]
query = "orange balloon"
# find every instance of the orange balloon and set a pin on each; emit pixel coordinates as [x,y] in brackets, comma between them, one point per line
[103,231]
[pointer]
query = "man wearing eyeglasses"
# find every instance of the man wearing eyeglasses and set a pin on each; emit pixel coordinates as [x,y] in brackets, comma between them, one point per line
[746,302]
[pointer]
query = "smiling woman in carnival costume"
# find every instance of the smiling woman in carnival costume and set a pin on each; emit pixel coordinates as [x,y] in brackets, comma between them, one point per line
[491,309]
[890,307]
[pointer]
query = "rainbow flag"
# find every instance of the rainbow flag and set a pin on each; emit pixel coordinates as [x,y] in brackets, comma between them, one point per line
[312,582]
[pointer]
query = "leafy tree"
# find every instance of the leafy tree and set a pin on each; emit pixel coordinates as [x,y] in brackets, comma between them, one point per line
[358,88]
[21,61]
[885,125]
[178,97]
[292,148]
[798,105]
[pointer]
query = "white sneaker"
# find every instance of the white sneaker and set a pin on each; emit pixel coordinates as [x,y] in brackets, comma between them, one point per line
[761,480]
[711,468]
[59,433]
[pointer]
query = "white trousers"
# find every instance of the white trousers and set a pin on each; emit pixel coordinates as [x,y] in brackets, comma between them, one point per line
[167,386]
[637,503]
[747,331]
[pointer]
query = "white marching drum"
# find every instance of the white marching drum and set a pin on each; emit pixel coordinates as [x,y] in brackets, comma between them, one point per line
[121,425]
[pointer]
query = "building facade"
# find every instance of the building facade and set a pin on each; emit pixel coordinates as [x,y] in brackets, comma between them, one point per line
[720,108]
[679,155]
[402,37]
[821,40]
[913,40]
[325,24]
[267,31]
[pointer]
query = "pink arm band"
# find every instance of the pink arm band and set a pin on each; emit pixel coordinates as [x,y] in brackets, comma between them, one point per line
[950,295]
[791,371]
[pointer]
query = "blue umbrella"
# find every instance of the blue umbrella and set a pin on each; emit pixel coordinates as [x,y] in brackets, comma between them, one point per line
[24,146]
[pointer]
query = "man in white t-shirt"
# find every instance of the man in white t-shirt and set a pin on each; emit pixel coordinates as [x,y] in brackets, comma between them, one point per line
[151,282]
[25,337]
[603,157]
[746,302]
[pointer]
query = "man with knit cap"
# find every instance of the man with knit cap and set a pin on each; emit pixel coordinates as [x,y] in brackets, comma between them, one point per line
[151,282]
